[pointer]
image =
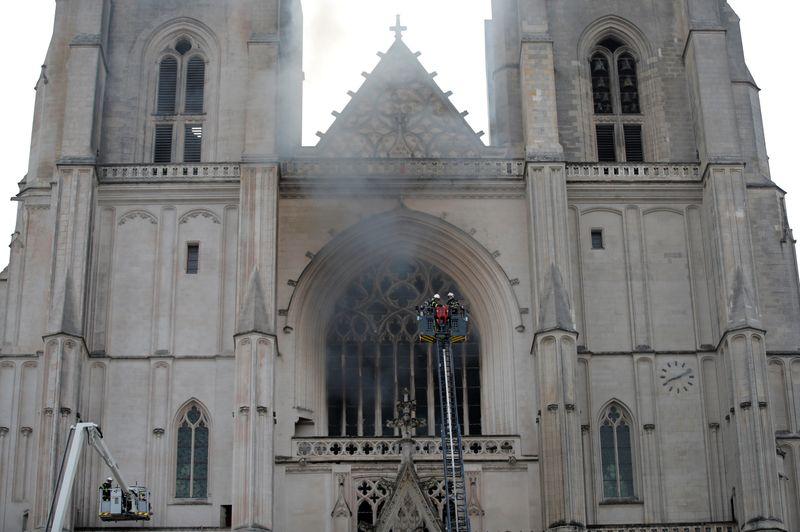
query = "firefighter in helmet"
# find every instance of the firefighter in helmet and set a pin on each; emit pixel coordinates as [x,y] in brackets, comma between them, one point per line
[105,489]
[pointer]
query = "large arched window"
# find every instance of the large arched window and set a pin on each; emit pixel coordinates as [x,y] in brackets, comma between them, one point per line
[191,464]
[615,94]
[616,453]
[373,353]
[180,104]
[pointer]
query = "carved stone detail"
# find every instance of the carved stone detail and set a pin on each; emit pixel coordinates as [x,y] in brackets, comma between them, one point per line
[400,112]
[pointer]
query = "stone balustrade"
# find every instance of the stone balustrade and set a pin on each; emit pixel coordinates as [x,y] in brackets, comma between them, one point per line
[632,172]
[166,172]
[505,448]
[681,527]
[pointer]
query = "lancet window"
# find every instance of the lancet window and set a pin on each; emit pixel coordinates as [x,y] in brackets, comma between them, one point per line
[615,95]
[191,465]
[373,353]
[179,115]
[616,453]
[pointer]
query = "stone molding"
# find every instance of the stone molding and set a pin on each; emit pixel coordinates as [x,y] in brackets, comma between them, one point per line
[168,172]
[495,448]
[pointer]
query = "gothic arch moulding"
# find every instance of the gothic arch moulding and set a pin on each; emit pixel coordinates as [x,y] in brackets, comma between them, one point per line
[404,232]
[148,51]
[637,43]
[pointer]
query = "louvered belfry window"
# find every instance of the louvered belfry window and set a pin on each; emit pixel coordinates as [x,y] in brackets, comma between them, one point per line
[606,149]
[195,85]
[167,85]
[162,152]
[618,115]
[178,121]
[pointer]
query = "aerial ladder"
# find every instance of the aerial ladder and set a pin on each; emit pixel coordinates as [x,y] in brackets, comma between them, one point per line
[120,503]
[445,324]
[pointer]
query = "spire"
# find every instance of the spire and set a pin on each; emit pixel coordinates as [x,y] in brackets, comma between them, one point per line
[68,322]
[253,316]
[398,29]
[555,311]
[741,307]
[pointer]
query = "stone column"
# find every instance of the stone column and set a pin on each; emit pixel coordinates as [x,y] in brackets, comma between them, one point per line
[710,85]
[749,432]
[64,354]
[538,84]
[253,450]
[255,348]
[555,350]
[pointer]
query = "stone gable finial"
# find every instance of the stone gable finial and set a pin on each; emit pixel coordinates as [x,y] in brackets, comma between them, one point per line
[398,29]
[406,419]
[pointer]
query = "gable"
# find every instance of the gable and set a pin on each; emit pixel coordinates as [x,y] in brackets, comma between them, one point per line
[407,509]
[400,112]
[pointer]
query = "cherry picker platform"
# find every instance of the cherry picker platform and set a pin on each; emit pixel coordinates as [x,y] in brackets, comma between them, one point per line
[120,503]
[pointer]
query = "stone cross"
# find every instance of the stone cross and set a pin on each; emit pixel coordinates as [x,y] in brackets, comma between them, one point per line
[398,29]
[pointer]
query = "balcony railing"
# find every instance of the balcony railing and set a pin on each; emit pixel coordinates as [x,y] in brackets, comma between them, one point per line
[632,172]
[166,172]
[505,448]
[682,527]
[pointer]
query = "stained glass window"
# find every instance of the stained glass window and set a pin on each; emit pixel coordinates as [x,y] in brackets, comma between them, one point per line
[616,454]
[191,468]
[373,353]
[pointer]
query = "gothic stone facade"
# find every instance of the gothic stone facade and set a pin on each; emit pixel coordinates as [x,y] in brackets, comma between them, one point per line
[233,308]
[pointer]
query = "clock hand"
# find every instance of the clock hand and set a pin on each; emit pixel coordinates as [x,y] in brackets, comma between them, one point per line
[676,377]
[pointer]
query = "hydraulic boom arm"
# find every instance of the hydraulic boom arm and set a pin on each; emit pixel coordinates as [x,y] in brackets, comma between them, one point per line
[80,434]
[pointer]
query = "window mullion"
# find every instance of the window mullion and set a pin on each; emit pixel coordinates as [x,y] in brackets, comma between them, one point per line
[343,415]
[431,394]
[360,419]
[616,460]
[191,466]
[376,383]
[619,140]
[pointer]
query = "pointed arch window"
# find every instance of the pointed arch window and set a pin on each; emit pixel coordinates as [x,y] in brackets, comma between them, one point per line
[179,116]
[373,353]
[615,94]
[191,466]
[616,453]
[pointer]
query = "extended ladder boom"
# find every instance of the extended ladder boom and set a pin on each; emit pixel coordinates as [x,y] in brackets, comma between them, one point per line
[445,325]
[455,487]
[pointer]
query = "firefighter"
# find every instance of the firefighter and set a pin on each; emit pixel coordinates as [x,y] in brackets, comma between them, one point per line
[105,488]
[453,303]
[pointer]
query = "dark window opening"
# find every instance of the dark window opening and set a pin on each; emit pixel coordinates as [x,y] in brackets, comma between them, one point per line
[192,258]
[606,148]
[628,84]
[634,150]
[601,85]
[192,143]
[162,150]
[373,353]
[611,44]
[597,239]
[225,519]
[183,46]
[167,86]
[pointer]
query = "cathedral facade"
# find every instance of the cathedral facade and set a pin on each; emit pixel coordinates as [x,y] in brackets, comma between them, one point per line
[236,310]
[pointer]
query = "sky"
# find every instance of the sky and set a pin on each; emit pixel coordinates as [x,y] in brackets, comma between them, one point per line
[342,38]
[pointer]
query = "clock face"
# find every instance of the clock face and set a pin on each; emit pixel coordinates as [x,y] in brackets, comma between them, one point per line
[677,377]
